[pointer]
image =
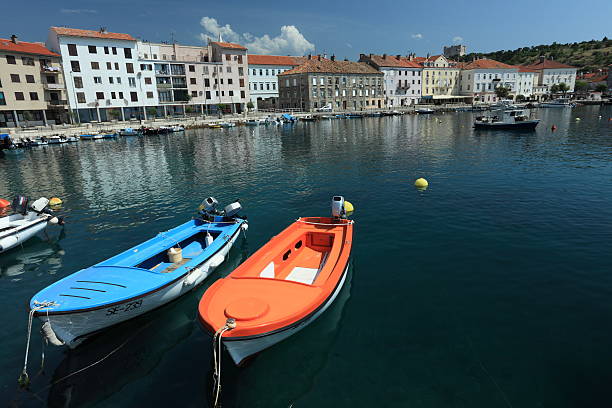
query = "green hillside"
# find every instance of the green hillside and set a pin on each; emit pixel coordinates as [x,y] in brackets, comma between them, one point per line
[587,55]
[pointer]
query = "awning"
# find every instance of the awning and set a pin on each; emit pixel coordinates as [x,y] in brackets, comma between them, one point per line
[450,96]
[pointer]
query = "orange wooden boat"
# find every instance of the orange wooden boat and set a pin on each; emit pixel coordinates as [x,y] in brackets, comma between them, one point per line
[282,287]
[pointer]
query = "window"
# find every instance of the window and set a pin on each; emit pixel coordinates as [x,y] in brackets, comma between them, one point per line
[274,87]
[268,86]
[10,59]
[49,78]
[148,81]
[228,57]
[80,97]
[129,66]
[92,49]
[27,61]
[149,94]
[118,80]
[78,82]
[106,50]
[111,80]
[30,79]
[240,59]
[240,71]
[72,50]
[114,50]
[109,65]
[132,82]
[95,65]
[76,67]
[97,80]
[231,93]
[192,68]
[19,96]
[154,56]
[116,66]
[127,52]
[33,96]
[228,69]
[99,95]
[15,78]
[120,95]
[230,81]
[192,81]
[194,93]
[2,99]
[133,95]
[241,80]
[242,94]
[207,94]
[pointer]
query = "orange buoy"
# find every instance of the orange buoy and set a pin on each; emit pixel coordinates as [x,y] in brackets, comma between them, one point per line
[4,203]
[553,128]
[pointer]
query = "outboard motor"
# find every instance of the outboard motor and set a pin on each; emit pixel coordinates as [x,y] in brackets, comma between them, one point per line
[40,204]
[20,205]
[231,210]
[338,207]
[209,205]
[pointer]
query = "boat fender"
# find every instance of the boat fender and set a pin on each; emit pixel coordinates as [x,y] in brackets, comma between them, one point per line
[192,277]
[216,260]
[55,202]
[348,207]
[50,335]
[244,226]
[4,203]
[54,220]
[208,239]
[421,183]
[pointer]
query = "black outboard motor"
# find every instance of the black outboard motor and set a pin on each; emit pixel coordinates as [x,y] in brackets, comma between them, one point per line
[20,205]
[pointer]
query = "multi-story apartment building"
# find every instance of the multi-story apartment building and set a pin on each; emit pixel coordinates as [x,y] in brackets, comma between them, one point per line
[103,77]
[525,83]
[481,77]
[341,85]
[197,78]
[32,90]
[402,78]
[263,80]
[550,72]
[440,78]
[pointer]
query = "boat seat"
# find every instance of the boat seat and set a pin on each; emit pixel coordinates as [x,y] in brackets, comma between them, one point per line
[268,271]
[303,275]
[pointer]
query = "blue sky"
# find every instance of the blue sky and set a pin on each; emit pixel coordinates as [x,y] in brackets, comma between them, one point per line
[342,28]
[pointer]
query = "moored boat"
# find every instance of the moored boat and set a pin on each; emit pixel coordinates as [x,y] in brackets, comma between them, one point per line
[130,132]
[506,119]
[282,287]
[558,103]
[424,111]
[252,122]
[139,279]
[227,124]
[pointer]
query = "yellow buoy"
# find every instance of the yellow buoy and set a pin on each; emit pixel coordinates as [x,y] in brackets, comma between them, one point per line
[421,183]
[55,202]
[348,207]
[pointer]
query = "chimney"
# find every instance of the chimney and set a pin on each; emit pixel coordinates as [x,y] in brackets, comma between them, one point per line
[398,57]
[319,57]
[384,56]
[14,39]
[309,56]
[542,58]
[324,55]
[552,58]
[371,55]
[361,56]
[427,55]
[103,30]
[333,57]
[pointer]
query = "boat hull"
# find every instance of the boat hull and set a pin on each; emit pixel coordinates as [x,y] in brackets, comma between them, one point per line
[23,233]
[73,328]
[525,125]
[241,349]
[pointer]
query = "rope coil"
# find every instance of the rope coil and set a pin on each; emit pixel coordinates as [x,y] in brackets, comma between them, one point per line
[230,324]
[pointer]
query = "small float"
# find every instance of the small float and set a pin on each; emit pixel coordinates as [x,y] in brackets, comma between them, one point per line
[282,287]
[140,279]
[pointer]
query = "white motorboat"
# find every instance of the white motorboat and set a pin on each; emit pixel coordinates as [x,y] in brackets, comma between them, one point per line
[558,103]
[506,119]
[26,221]
[424,111]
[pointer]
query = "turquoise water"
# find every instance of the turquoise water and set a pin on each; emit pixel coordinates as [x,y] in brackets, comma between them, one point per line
[491,288]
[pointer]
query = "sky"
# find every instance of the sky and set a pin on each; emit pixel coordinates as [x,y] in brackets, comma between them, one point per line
[341,28]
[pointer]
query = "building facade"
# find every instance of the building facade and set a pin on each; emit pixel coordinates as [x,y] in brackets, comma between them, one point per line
[263,79]
[340,85]
[103,77]
[525,83]
[454,51]
[440,79]
[200,79]
[481,77]
[32,89]
[550,72]
[402,78]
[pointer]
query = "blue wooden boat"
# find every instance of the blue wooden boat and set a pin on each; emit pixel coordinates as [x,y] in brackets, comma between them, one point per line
[140,279]
[109,135]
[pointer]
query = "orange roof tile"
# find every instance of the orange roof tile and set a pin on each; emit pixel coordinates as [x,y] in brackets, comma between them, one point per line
[229,45]
[275,60]
[75,32]
[26,48]
[523,68]
[315,65]
[488,64]
[392,61]
[548,64]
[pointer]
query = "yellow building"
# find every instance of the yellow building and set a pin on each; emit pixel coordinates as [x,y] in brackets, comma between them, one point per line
[440,79]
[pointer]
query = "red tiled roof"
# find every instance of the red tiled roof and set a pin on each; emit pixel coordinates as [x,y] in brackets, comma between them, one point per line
[488,64]
[523,68]
[26,48]
[392,61]
[75,32]
[274,60]
[598,78]
[229,45]
[315,65]
[548,64]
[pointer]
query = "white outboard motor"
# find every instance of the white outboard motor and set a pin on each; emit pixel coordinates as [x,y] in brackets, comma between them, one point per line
[40,204]
[232,209]
[338,207]
[209,204]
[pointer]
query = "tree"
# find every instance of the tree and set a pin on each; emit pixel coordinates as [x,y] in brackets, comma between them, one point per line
[563,87]
[27,116]
[581,85]
[502,92]
[601,88]
[151,111]
[113,114]
[554,89]
[250,105]
[189,109]
[520,98]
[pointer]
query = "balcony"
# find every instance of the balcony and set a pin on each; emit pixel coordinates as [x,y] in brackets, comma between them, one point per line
[57,102]
[161,72]
[53,87]
[164,86]
[50,70]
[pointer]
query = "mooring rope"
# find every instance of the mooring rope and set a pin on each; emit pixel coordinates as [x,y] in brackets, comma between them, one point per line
[217,340]
[24,379]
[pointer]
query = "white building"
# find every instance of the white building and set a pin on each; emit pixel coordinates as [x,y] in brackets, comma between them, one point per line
[525,82]
[551,73]
[402,78]
[102,73]
[263,80]
[481,77]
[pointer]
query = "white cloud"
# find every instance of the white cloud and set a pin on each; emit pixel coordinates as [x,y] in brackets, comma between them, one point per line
[289,41]
[457,39]
[349,45]
[78,11]
[417,36]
